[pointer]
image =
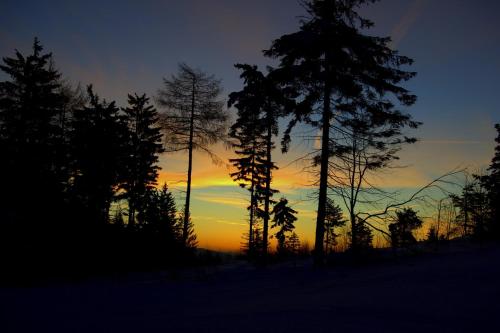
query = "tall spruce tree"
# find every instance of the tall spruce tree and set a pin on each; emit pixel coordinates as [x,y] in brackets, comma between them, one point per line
[30,102]
[250,149]
[259,106]
[193,119]
[99,141]
[144,147]
[334,66]
[169,221]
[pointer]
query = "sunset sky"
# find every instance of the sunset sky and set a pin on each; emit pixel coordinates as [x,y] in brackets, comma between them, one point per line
[129,46]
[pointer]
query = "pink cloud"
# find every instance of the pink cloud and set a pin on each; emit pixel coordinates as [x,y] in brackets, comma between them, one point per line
[407,21]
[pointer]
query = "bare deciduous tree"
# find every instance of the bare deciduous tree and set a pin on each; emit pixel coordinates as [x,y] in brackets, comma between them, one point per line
[193,118]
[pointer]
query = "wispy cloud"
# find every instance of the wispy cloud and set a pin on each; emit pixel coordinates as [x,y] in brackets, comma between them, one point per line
[454,142]
[306,214]
[230,200]
[407,21]
[200,179]
[217,220]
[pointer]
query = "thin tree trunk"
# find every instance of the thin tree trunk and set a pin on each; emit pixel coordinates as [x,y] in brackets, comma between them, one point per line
[131,215]
[323,180]
[252,210]
[466,213]
[190,168]
[134,195]
[268,185]
[439,218]
[352,216]
[327,242]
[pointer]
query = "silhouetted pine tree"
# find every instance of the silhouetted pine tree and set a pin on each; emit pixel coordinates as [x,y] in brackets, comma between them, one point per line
[284,218]
[159,216]
[74,98]
[189,238]
[144,147]
[494,188]
[257,123]
[168,214]
[332,65]
[491,183]
[257,238]
[250,171]
[363,237]
[33,177]
[193,119]
[401,231]
[292,244]
[99,141]
[432,235]
[333,219]
[30,102]
[473,208]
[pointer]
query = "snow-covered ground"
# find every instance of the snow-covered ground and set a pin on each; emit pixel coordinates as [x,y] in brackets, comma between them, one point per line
[456,291]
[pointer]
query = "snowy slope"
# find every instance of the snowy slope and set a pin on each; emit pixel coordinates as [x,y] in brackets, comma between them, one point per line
[457,291]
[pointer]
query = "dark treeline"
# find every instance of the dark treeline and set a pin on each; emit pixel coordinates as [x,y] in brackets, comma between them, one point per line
[475,208]
[78,177]
[70,161]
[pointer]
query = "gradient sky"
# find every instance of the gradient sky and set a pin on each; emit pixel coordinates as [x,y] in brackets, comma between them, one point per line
[129,46]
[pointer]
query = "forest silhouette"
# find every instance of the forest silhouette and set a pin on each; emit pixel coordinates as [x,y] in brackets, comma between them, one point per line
[79,190]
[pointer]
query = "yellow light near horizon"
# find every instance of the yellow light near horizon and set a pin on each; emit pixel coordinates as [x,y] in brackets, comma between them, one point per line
[219,205]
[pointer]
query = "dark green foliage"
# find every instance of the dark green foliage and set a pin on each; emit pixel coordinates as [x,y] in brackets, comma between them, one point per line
[332,66]
[334,219]
[401,231]
[144,147]
[284,218]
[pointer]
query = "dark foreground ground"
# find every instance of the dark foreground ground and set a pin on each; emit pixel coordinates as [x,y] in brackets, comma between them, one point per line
[455,291]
